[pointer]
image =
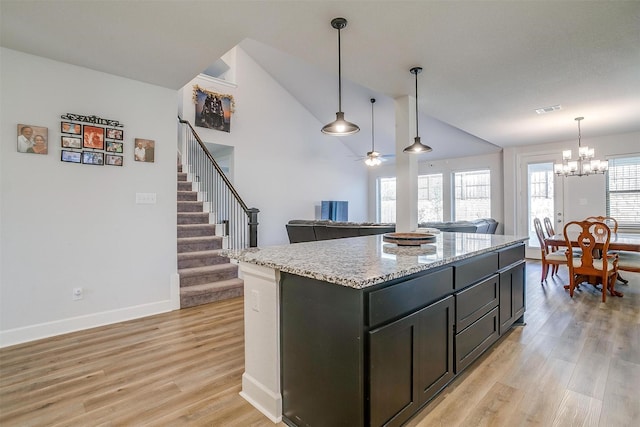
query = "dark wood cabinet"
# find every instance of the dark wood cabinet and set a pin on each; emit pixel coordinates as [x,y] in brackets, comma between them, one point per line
[512,295]
[411,360]
[375,356]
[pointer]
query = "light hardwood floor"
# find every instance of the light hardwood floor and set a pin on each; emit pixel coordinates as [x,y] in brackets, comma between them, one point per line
[576,362]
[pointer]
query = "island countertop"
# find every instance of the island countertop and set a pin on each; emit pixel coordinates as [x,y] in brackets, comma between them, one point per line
[359,262]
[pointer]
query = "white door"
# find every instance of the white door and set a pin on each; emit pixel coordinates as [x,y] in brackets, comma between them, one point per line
[541,196]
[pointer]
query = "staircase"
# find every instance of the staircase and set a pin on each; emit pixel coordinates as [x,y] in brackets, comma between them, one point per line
[205,275]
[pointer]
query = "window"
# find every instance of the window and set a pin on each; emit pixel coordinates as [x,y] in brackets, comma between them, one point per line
[430,198]
[387,194]
[623,191]
[472,195]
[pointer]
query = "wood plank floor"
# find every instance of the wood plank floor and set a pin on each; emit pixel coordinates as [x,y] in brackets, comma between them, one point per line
[576,362]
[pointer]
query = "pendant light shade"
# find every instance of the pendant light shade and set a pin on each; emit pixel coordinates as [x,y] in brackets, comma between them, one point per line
[417,146]
[340,127]
[373,157]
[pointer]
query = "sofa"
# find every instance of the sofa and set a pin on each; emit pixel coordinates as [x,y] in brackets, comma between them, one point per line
[302,230]
[308,230]
[482,225]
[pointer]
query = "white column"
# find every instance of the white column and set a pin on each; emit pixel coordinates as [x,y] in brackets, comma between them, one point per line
[406,166]
[261,378]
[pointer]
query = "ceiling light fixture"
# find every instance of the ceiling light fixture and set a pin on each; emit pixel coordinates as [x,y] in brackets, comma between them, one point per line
[584,165]
[373,157]
[340,127]
[417,146]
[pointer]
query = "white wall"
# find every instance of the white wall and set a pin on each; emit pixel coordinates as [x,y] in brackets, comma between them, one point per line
[582,196]
[283,164]
[71,225]
[447,167]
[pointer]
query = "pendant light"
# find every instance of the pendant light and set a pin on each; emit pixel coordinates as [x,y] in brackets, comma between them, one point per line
[373,157]
[340,127]
[417,146]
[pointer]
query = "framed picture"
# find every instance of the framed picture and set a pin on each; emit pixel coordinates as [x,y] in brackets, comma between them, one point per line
[33,139]
[71,156]
[92,158]
[115,134]
[93,137]
[68,127]
[114,147]
[113,160]
[71,142]
[144,150]
[213,110]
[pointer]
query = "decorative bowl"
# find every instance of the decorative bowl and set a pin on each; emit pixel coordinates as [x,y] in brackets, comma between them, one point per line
[409,239]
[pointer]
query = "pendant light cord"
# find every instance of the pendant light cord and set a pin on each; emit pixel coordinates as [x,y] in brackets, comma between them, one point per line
[417,132]
[373,145]
[339,74]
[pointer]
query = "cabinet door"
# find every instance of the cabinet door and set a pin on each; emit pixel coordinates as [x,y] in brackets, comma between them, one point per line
[410,361]
[512,295]
[435,348]
[391,387]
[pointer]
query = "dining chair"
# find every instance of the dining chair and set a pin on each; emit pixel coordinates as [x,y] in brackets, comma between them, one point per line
[548,226]
[611,222]
[549,257]
[593,238]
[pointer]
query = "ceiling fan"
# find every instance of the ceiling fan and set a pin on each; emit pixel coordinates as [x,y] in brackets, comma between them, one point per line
[373,157]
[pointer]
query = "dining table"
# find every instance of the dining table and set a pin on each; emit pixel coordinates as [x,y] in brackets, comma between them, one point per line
[617,242]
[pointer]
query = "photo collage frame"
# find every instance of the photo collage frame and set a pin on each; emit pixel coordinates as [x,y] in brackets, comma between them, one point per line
[98,142]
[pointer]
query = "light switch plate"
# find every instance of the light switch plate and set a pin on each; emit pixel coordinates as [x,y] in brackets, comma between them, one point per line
[145,198]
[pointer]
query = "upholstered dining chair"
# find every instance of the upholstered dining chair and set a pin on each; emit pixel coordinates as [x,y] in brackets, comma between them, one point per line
[549,257]
[593,238]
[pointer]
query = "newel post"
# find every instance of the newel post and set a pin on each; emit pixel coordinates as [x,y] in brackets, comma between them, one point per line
[253,227]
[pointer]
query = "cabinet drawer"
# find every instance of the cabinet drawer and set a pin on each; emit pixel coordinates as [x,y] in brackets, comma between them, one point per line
[477,268]
[406,297]
[510,255]
[475,301]
[474,340]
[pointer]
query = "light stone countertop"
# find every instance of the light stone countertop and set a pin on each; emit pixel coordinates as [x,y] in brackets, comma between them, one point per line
[359,262]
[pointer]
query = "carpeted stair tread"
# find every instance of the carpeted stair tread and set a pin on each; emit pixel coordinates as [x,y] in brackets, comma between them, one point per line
[210,292]
[195,230]
[182,176]
[193,244]
[207,274]
[187,196]
[189,206]
[185,186]
[201,258]
[193,218]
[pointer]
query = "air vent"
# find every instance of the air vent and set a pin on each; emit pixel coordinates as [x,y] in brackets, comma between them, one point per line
[546,110]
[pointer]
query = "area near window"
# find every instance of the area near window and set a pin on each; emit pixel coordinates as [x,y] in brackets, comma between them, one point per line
[472,195]
[623,191]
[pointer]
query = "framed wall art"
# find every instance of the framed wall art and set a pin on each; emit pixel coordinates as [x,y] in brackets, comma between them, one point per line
[93,158]
[113,160]
[213,110]
[71,141]
[114,147]
[71,156]
[32,139]
[72,128]
[144,150]
[115,134]
[93,137]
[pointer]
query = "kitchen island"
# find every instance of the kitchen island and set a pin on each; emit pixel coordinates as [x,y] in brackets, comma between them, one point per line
[361,332]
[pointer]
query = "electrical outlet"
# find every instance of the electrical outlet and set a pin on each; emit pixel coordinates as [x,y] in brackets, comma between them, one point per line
[77,294]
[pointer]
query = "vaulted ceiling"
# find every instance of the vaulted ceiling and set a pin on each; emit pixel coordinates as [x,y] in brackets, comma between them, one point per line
[487,64]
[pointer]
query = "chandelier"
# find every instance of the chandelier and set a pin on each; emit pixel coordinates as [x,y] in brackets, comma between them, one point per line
[585,164]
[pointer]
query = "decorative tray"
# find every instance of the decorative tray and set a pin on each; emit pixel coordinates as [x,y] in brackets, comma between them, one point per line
[409,239]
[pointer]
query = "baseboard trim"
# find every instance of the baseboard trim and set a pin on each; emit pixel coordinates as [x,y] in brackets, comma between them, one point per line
[264,400]
[79,323]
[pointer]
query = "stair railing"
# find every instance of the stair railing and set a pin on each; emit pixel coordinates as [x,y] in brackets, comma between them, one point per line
[240,222]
